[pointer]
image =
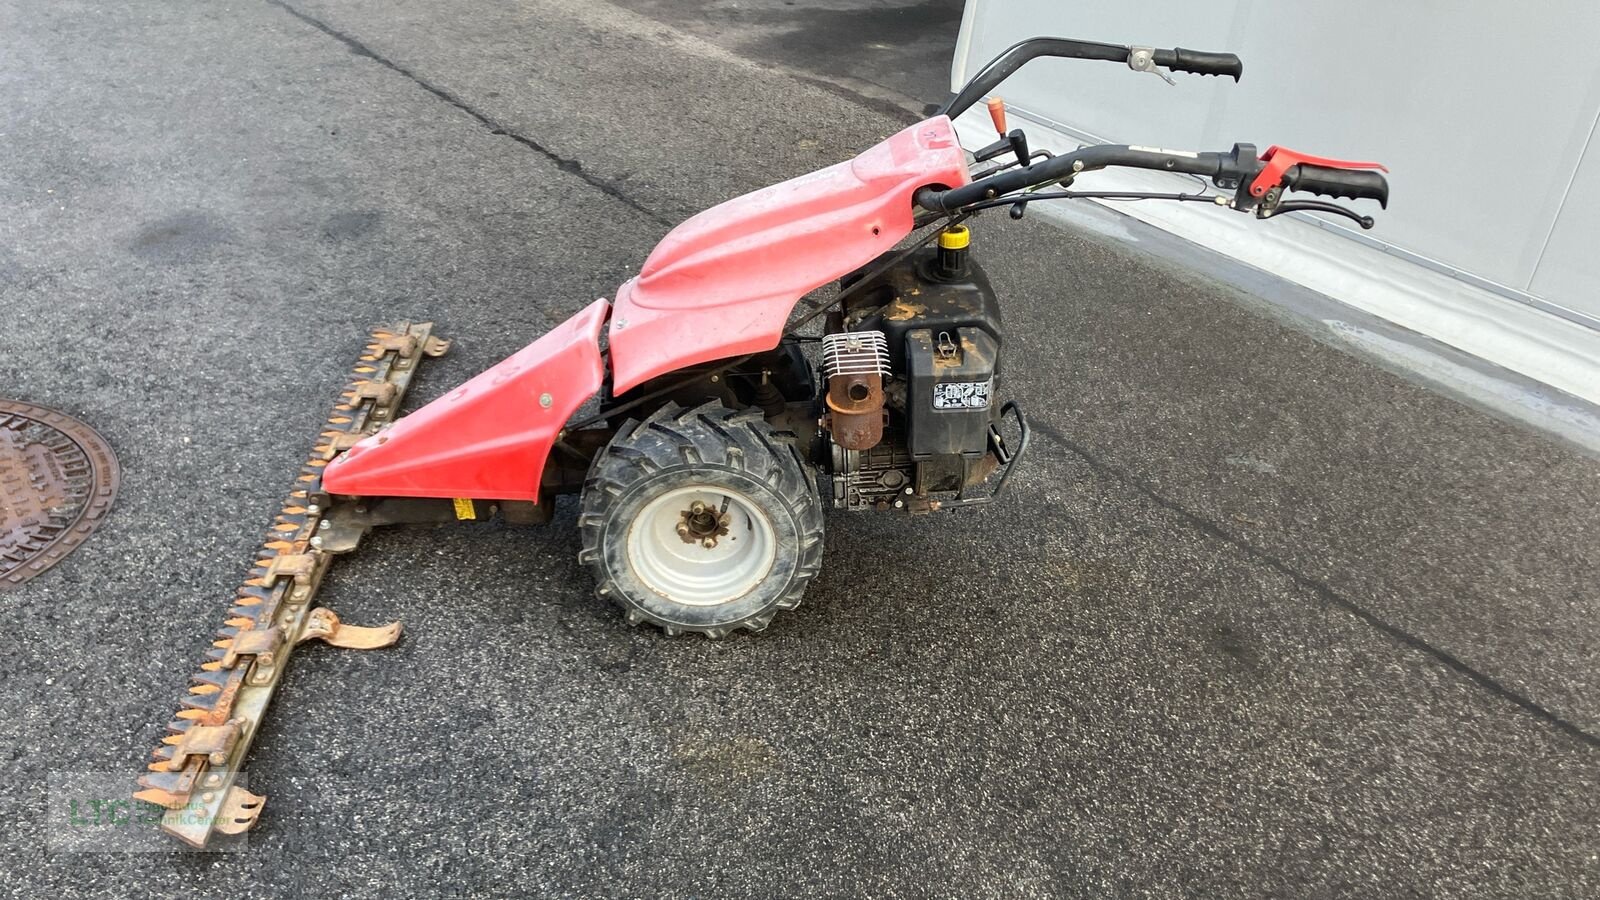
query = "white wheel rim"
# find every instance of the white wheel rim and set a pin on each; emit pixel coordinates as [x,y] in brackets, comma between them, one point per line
[685,570]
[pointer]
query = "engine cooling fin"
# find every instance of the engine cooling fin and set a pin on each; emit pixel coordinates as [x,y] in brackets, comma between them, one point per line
[194,769]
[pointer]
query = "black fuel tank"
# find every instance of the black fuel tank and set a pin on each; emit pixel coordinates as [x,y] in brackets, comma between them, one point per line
[944,334]
[914,294]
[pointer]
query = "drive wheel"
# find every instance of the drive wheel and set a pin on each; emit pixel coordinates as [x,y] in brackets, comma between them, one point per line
[701,520]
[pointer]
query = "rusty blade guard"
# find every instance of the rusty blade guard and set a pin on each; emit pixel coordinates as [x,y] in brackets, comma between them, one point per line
[194,770]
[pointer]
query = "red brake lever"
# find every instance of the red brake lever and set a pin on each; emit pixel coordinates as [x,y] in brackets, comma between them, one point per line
[1280,159]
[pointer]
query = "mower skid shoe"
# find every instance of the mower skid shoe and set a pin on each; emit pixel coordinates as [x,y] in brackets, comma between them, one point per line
[194,770]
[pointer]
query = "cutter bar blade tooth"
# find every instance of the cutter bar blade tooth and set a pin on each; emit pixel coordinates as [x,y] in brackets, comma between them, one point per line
[237,696]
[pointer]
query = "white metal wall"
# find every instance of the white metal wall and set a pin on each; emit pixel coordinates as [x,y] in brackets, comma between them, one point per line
[1485,112]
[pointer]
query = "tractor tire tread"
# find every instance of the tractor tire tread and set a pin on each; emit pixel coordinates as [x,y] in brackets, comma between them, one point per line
[706,436]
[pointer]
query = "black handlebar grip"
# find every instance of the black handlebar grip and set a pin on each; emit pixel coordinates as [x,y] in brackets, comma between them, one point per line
[1200,62]
[1357,184]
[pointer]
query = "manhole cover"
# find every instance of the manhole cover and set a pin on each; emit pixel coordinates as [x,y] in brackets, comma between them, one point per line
[57,481]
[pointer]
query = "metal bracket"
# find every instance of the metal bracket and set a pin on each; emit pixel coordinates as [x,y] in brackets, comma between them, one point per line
[338,443]
[402,344]
[299,566]
[261,643]
[239,811]
[1143,59]
[214,742]
[324,625]
[380,391]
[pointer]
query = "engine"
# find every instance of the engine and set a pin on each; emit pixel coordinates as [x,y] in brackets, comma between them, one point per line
[910,361]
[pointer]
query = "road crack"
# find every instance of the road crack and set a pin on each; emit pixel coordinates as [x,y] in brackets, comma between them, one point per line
[566,164]
[1325,592]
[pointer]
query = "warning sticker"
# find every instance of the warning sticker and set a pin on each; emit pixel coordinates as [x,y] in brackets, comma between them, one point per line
[962,395]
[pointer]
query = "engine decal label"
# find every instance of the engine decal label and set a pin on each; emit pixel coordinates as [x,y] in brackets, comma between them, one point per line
[962,394]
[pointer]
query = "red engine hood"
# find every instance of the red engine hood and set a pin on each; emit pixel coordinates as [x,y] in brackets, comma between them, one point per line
[724,282]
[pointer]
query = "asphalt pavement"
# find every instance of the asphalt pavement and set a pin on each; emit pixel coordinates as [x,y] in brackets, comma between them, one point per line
[1259,617]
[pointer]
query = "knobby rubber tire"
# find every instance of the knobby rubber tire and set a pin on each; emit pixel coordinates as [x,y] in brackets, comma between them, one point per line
[713,446]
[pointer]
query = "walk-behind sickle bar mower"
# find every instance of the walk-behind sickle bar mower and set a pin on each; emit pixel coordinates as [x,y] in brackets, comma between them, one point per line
[713,441]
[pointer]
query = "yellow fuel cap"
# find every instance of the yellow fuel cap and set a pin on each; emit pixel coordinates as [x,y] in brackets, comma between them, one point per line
[956,237]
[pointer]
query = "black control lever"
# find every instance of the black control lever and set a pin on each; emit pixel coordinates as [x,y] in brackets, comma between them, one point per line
[1262,212]
[990,151]
[1019,145]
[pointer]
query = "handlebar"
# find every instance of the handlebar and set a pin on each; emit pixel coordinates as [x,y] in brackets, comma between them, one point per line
[1209,165]
[1200,62]
[1331,182]
[1258,182]
[1239,169]
[1000,68]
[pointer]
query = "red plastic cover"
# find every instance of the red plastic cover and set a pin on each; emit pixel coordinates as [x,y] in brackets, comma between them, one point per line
[724,282]
[488,439]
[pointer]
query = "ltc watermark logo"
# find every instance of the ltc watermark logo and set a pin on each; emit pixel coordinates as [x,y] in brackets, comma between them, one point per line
[94,812]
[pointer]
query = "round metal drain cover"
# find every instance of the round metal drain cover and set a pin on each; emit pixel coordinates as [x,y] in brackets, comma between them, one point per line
[57,481]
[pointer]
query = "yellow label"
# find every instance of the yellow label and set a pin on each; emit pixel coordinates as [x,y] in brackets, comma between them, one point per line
[464,509]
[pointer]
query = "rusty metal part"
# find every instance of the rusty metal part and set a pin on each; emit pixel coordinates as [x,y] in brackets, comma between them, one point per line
[261,643]
[299,566]
[58,479]
[194,769]
[703,525]
[239,811]
[855,410]
[214,742]
[855,363]
[324,625]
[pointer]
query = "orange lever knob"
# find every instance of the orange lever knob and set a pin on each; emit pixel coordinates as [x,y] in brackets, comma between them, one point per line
[997,112]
